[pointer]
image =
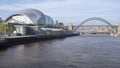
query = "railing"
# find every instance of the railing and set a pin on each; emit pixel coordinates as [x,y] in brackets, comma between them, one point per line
[39,34]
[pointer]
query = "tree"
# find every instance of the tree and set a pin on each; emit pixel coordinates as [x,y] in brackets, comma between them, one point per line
[8,28]
[2,27]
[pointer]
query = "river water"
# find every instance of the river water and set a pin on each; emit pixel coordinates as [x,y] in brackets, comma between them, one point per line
[85,51]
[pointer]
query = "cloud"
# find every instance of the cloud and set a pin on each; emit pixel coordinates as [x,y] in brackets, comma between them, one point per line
[67,10]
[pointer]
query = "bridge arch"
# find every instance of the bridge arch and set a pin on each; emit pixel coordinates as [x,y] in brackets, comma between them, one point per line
[99,19]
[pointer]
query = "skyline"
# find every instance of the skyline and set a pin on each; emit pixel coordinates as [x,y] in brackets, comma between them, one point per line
[66,11]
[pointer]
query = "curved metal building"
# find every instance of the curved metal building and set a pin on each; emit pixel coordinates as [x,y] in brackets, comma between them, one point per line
[30,16]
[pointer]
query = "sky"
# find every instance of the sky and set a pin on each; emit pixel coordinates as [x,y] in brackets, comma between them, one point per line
[67,11]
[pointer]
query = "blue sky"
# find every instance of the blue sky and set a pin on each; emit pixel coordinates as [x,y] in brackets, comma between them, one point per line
[67,11]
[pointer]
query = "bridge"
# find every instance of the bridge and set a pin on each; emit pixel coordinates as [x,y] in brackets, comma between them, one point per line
[109,28]
[101,29]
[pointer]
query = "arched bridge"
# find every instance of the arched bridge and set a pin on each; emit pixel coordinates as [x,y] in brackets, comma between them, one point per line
[99,19]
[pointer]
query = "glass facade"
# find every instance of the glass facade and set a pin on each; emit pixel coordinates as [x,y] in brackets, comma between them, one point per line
[22,19]
[30,16]
[49,20]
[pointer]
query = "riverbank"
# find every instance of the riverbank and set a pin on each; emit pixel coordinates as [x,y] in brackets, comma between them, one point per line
[16,40]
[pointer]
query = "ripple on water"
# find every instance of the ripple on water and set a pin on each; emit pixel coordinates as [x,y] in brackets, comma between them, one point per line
[86,51]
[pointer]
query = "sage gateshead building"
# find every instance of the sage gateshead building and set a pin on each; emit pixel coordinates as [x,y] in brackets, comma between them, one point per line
[30,16]
[30,21]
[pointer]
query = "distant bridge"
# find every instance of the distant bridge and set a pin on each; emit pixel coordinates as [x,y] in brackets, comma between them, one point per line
[99,19]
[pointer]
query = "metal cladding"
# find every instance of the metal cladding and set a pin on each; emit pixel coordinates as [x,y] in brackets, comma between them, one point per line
[36,16]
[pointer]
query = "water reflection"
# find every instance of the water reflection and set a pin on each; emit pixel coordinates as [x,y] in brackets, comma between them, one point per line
[87,51]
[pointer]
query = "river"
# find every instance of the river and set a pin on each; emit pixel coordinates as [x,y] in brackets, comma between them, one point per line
[85,51]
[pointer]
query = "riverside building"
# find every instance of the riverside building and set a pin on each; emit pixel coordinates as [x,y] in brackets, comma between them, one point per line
[32,22]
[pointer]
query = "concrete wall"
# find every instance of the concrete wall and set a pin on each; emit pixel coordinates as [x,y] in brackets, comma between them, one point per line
[70,26]
[119,29]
